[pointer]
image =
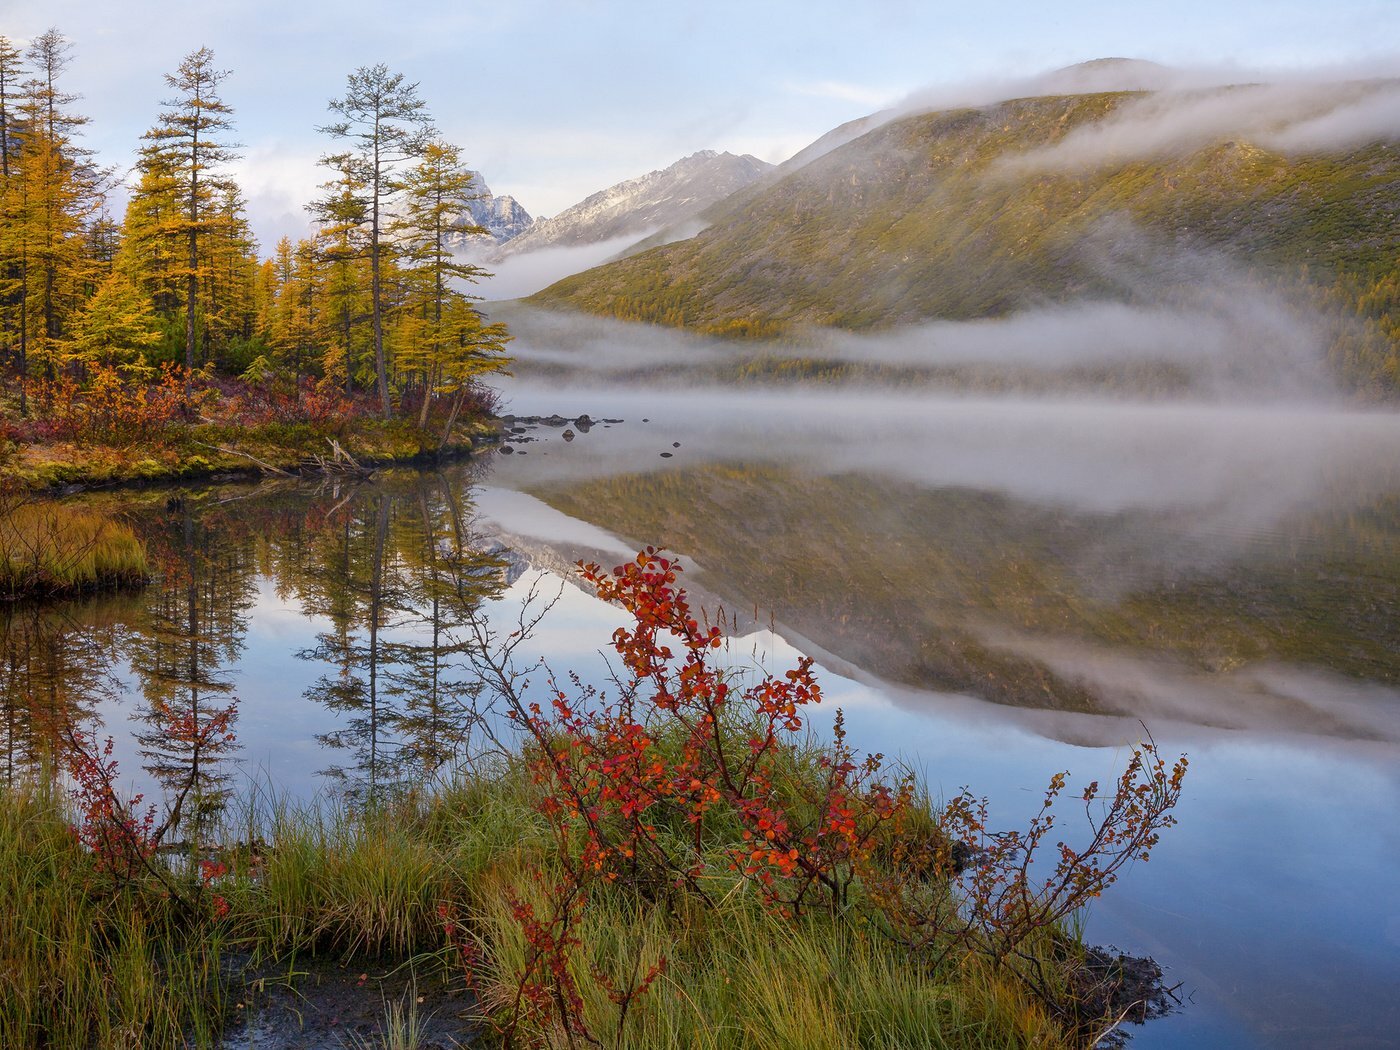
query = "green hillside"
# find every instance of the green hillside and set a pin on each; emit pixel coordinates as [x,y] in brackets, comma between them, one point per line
[932,216]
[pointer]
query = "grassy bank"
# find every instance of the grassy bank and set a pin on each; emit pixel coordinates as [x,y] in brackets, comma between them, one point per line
[205,450]
[90,963]
[50,549]
[677,865]
[112,429]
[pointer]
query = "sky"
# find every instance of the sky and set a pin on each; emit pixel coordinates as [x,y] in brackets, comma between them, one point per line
[552,100]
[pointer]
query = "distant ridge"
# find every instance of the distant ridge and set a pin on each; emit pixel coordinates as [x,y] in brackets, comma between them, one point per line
[637,207]
[984,210]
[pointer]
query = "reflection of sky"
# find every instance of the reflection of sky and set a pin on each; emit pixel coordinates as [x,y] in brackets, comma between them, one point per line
[1270,901]
[1267,901]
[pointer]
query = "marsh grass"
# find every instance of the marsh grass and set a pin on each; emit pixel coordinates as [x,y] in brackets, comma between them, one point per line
[48,549]
[739,976]
[85,962]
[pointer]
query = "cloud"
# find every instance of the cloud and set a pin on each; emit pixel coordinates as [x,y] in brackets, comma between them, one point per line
[1295,115]
[278,180]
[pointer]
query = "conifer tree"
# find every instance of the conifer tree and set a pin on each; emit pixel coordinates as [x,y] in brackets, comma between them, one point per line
[118,326]
[56,191]
[450,345]
[11,76]
[341,244]
[387,125]
[187,149]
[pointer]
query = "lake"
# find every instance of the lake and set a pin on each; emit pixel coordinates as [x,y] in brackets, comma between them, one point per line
[998,584]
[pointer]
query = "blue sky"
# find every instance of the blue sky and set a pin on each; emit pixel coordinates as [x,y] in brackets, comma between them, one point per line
[554,99]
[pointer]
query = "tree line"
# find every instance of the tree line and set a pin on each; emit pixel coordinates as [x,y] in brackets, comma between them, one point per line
[373,299]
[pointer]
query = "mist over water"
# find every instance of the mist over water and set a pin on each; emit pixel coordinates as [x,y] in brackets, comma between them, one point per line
[1254,471]
[1269,437]
[1215,561]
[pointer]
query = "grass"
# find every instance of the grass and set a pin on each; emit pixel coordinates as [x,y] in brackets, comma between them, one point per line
[87,962]
[207,449]
[50,549]
[740,977]
[83,964]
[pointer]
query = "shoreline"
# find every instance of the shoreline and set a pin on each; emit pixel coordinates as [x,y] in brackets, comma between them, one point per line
[60,469]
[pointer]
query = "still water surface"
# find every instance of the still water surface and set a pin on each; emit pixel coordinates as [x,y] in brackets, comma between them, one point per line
[996,589]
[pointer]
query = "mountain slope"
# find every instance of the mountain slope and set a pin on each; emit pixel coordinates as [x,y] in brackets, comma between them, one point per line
[979,212]
[502,217]
[664,198]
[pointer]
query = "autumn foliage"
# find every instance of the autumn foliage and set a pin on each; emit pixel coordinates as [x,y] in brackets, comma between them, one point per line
[692,781]
[107,406]
[124,834]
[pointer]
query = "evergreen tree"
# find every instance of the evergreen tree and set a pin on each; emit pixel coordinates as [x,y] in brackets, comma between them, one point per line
[341,246]
[436,194]
[11,76]
[56,191]
[118,326]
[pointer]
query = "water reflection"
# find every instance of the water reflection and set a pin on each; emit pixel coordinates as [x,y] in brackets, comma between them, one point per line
[371,584]
[57,670]
[1037,606]
[394,571]
[182,649]
[376,577]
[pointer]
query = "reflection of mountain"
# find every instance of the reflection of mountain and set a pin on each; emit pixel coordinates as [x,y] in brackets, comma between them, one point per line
[980,212]
[1036,606]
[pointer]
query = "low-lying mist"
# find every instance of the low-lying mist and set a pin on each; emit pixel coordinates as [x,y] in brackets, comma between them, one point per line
[1207,329]
[525,273]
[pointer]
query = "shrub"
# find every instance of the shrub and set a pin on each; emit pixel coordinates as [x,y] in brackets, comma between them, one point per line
[689,784]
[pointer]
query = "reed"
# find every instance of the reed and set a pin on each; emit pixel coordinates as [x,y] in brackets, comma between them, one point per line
[49,549]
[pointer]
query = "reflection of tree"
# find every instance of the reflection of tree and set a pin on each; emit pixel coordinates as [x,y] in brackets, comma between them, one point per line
[390,572]
[58,665]
[193,631]
[366,589]
[447,579]
[393,571]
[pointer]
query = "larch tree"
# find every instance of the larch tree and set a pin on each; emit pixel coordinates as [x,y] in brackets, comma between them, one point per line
[57,190]
[11,76]
[189,147]
[150,254]
[386,125]
[341,247]
[305,306]
[450,345]
[118,326]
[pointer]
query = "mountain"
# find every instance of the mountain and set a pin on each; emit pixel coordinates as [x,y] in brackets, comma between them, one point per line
[982,211]
[638,207]
[502,216]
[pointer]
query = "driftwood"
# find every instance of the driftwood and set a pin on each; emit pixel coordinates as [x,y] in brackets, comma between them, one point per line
[260,464]
[341,462]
